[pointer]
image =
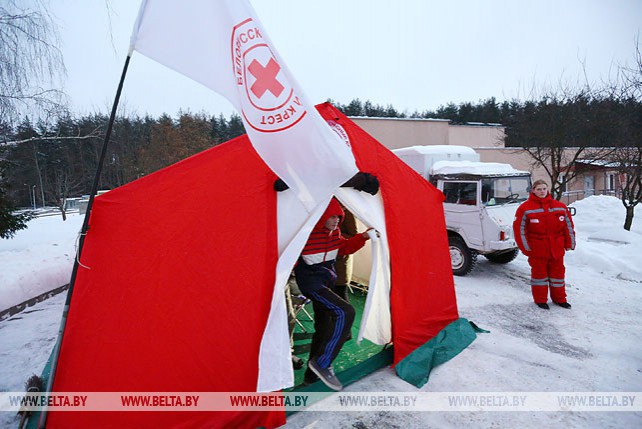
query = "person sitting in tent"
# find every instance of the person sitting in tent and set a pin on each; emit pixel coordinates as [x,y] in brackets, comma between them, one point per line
[343,266]
[316,276]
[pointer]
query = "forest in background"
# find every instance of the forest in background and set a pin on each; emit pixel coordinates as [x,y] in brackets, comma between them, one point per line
[60,159]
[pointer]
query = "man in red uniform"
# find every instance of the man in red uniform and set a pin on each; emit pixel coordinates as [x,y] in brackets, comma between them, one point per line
[543,229]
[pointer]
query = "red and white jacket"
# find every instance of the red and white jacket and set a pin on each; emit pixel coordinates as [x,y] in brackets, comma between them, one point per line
[325,245]
[543,227]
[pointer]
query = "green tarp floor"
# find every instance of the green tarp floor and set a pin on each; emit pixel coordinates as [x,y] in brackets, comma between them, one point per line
[353,362]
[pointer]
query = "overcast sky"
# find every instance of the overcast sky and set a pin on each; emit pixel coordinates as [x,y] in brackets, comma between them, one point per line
[413,54]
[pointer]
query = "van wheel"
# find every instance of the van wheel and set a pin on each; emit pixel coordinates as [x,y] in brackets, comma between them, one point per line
[462,259]
[502,258]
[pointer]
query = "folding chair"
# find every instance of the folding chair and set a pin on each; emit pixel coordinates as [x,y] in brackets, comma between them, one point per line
[296,304]
[357,286]
[300,308]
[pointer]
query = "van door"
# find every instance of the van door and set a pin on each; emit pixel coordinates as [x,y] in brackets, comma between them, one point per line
[462,210]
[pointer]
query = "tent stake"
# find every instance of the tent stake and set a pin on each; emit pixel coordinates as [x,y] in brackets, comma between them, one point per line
[42,422]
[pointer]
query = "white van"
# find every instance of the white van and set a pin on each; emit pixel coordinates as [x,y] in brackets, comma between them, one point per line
[481,199]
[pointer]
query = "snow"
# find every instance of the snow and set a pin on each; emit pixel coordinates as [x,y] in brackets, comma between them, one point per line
[594,347]
[475,168]
[451,159]
[451,151]
[422,158]
[38,259]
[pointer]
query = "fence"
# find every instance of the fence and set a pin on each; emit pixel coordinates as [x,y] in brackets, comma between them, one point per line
[572,196]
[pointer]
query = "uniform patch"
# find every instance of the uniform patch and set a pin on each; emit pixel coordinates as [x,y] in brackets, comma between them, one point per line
[534,220]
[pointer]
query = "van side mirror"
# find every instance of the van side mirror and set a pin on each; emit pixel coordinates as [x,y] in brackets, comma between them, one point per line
[572,210]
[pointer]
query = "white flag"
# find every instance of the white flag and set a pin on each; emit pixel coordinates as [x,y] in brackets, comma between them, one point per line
[222,45]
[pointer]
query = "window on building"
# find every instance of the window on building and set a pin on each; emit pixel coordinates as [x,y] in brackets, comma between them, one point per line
[563,184]
[610,181]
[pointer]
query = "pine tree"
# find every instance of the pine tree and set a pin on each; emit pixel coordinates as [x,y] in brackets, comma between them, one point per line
[10,221]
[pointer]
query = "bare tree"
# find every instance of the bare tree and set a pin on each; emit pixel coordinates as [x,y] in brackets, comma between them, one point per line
[560,162]
[628,89]
[558,131]
[92,135]
[31,64]
[629,161]
[61,186]
[632,76]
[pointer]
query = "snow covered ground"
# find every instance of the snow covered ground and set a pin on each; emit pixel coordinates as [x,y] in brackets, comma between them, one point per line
[595,347]
[38,259]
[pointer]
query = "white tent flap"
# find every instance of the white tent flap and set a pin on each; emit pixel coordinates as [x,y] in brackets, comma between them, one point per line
[375,321]
[294,228]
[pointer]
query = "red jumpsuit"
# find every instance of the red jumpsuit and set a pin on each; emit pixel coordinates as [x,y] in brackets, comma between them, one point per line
[543,229]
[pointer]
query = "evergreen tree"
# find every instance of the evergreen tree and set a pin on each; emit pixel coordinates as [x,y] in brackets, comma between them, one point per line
[450,111]
[215,129]
[235,127]
[10,221]
[371,110]
[391,112]
[355,108]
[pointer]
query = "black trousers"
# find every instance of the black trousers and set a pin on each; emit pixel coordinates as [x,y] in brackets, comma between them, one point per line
[333,316]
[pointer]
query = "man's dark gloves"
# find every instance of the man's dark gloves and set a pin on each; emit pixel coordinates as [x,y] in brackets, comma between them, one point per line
[280,185]
[365,182]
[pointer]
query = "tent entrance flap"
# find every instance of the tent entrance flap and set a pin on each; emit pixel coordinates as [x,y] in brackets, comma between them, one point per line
[275,368]
[294,225]
[376,321]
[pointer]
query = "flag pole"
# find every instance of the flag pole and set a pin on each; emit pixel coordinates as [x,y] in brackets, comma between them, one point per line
[42,422]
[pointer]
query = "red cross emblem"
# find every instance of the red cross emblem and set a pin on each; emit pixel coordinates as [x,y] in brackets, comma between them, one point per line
[265,78]
[256,72]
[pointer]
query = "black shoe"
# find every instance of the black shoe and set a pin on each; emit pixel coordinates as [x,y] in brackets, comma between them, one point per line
[309,377]
[543,305]
[326,375]
[297,362]
[563,305]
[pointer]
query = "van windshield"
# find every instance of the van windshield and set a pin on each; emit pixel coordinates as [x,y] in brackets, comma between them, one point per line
[502,190]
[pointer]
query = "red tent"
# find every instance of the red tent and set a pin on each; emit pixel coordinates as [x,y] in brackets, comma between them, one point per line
[179,288]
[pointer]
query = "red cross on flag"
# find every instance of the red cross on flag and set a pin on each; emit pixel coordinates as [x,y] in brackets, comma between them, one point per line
[266,79]
[222,45]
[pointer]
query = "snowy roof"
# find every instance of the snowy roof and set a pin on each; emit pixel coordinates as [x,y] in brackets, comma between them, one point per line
[598,162]
[435,150]
[475,168]
[480,124]
[382,118]
[472,124]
